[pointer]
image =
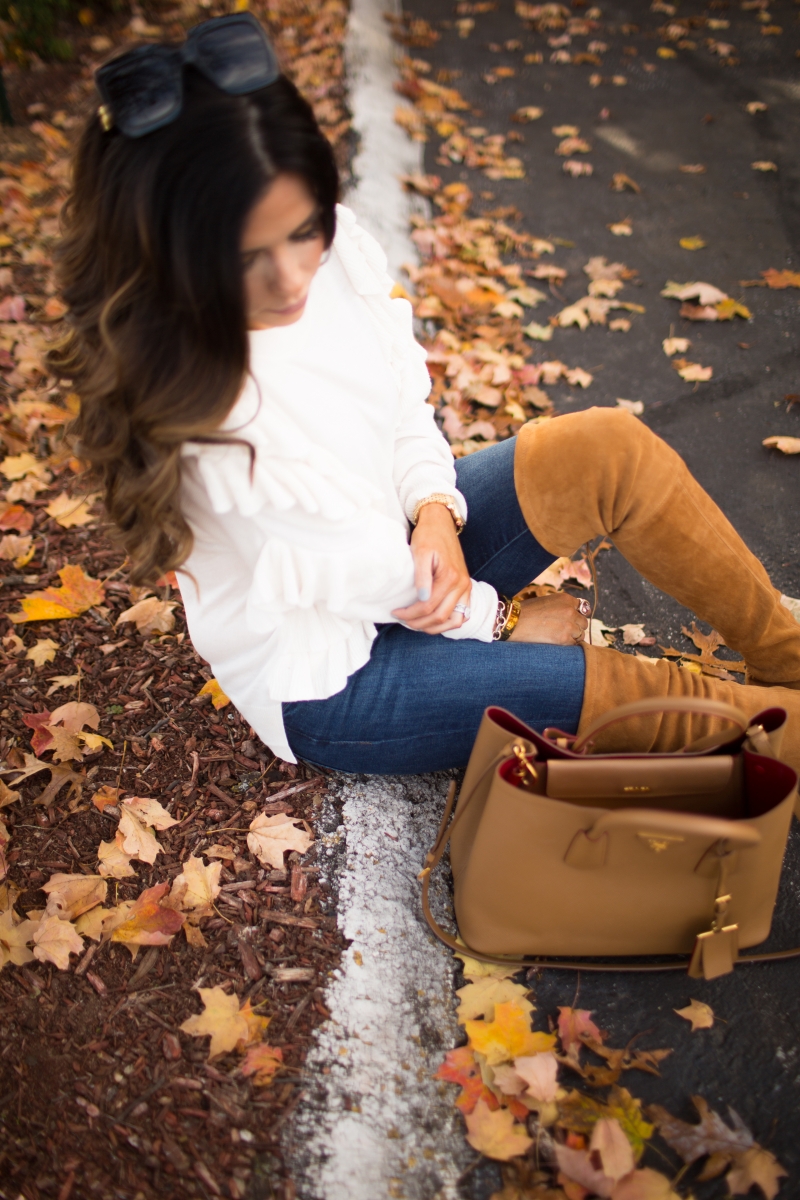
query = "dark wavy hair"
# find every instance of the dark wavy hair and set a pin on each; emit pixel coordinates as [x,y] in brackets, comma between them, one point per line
[150,268]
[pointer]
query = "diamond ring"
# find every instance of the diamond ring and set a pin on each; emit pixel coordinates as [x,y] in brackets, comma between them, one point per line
[464,609]
[584,608]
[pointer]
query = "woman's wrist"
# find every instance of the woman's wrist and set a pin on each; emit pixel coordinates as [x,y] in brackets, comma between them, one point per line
[434,507]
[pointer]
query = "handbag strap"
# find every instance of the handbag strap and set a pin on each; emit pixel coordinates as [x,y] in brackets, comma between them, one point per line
[434,857]
[638,708]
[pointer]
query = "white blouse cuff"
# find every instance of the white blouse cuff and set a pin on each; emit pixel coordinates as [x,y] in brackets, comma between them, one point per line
[483,610]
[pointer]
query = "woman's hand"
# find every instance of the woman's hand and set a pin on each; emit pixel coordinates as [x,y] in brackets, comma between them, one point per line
[554,619]
[440,576]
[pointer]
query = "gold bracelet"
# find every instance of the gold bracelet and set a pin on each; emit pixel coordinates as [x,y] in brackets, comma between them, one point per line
[448,502]
[514,608]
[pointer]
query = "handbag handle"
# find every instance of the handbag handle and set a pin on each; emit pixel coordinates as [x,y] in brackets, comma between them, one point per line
[715,828]
[638,708]
[434,857]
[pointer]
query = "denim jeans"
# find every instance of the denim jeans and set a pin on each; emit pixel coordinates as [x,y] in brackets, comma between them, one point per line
[417,704]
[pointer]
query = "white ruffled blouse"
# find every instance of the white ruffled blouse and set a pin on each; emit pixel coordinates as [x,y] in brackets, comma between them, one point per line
[301,545]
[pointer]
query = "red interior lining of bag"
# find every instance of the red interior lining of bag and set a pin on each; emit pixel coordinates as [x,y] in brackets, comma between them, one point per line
[767,781]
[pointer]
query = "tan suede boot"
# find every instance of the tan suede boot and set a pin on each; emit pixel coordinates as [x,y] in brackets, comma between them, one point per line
[613,678]
[602,471]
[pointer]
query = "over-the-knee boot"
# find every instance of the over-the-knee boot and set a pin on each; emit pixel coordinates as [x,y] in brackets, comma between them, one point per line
[602,471]
[613,678]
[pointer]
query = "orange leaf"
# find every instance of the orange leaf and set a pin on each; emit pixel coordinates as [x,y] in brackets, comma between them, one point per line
[573,1023]
[148,923]
[106,797]
[460,1067]
[213,689]
[781,279]
[262,1062]
[15,517]
[78,593]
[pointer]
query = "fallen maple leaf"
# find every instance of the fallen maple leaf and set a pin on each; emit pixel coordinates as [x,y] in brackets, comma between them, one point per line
[57,682]
[69,512]
[675,345]
[755,1167]
[573,1025]
[787,445]
[704,293]
[710,1137]
[508,1036]
[197,886]
[15,517]
[213,689]
[781,279]
[609,1144]
[16,936]
[645,1184]
[148,811]
[270,837]
[764,165]
[700,1015]
[97,923]
[496,1134]
[461,1067]
[262,1062]
[78,593]
[43,652]
[70,895]
[539,1073]
[150,616]
[7,796]
[228,1026]
[54,941]
[106,797]
[528,113]
[692,243]
[478,999]
[148,923]
[692,372]
[138,839]
[114,862]
[18,549]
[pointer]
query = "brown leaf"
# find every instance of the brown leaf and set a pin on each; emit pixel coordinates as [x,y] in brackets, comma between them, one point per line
[700,1015]
[710,1136]
[755,1167]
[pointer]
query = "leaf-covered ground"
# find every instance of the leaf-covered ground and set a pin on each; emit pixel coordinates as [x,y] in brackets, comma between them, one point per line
[161,966]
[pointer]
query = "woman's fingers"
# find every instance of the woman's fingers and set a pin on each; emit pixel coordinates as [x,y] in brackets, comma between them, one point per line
[424,565]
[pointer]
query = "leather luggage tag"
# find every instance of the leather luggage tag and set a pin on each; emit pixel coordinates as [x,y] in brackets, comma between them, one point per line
[715,953]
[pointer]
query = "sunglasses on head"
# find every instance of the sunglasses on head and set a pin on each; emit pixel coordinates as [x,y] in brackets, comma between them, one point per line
[142,90]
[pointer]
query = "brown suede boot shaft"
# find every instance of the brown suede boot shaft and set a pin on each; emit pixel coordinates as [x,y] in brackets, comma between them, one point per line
[613,678]
[603,471]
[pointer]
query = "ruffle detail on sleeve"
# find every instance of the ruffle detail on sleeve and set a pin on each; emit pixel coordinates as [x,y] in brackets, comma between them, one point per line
[286,471]
[365,264]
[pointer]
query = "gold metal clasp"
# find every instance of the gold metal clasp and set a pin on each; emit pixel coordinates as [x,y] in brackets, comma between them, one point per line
[523,758]
[658,842]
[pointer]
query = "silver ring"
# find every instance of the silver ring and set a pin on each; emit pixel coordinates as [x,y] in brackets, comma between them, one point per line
[584,608]
[464,609]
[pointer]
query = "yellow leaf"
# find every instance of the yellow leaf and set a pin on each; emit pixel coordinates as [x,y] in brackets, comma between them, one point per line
[508,1036]
[69,512]
[148,922]
[55,940]
[114,863]
[197,886]
[60,681]
[150,615]
[16,466]
[149,811]
[692,243]
[700,1015]
[138,840]
[92,741]
[270,837]
[70,895]
[581,1113]
[101,921]
[222,1021]
[496,1134]
[478,999]
[728,309]
[15,938]
[7,796]
[78,593]
[43,652]
[475,969]
[262,1062]
[213,689]
[764,165]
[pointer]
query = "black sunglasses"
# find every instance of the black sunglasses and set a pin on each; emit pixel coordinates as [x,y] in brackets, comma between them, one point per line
[142,90]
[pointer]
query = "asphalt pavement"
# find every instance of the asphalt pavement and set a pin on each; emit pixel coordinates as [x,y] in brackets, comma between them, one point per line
[671,111]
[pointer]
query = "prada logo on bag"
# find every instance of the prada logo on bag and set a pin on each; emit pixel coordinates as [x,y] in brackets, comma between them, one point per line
[658,842]
[637,787]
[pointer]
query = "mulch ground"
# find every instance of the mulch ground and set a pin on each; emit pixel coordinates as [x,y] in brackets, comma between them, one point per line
[100,1093]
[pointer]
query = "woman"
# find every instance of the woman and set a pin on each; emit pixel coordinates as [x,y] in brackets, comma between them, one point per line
[253,403]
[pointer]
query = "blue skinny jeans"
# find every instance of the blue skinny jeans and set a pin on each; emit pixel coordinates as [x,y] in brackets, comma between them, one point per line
[417,704]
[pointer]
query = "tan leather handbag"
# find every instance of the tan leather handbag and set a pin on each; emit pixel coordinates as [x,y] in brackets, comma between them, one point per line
[555,851]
